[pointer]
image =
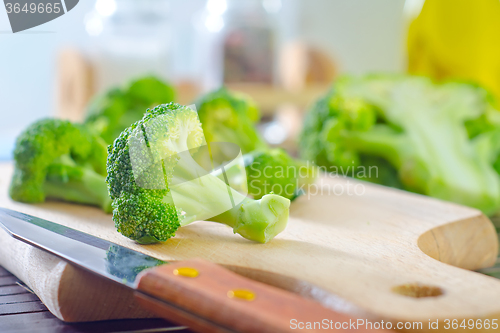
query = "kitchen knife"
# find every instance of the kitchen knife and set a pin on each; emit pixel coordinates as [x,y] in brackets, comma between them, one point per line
[195,293]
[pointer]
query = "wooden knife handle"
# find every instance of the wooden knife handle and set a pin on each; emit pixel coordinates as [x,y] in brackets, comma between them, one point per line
[209,298]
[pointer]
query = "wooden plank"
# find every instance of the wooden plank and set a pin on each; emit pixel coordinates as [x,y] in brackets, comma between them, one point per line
[25,313]
[45,322]
[8,280]
[128,325]
[19,298]
[34,321]
[26,307]
[12,290]
[4,272]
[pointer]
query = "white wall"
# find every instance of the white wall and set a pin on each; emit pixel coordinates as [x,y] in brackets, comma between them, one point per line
[27,70]
[363,35]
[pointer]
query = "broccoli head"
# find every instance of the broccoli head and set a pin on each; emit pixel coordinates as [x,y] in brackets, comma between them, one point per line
[60,160]
[157,186]
[434,139]
[109,114]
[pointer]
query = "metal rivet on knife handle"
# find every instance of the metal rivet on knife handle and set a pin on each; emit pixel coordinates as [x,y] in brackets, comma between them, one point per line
[187,272]
[244,294]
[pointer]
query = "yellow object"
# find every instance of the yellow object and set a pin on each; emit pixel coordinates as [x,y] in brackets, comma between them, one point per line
[245,294]
[457,39]
[187,272]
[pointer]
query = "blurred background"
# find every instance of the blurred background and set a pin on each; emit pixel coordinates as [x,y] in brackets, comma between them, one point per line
[284,53]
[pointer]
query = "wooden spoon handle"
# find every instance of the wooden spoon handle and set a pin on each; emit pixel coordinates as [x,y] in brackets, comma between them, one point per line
[209,298]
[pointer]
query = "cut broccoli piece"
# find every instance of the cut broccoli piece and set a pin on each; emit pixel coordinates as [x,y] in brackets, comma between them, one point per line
[60,160]
[231,117]
[157,186]
[109,114]
[440,139]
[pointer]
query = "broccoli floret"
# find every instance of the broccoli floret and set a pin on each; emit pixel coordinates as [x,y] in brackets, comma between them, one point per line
[109,114]
[271,171]
[274,171]
[310,139]
[436,139]
[157,186]
[60,160]
[231,117]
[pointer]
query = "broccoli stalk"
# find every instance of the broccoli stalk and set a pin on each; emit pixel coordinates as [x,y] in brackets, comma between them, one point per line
[258,220]
[419,128]
[59,160]
[68,181]
[157,186]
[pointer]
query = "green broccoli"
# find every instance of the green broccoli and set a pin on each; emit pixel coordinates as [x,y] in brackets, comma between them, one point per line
[231,117]
[157,186]
[435,139]
[60,160]
[109,114]
[317,148]
[274,171]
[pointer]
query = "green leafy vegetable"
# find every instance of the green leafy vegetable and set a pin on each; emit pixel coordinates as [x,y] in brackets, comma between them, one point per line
[442,140]
[60,160]
[109,114]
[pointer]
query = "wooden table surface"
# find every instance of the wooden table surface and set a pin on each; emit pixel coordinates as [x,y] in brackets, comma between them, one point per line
[21,311]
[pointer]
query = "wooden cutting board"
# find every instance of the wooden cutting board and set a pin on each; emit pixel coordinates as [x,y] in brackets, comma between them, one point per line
[367,254]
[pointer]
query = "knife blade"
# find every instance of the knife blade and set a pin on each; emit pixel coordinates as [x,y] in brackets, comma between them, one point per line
[196,293]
